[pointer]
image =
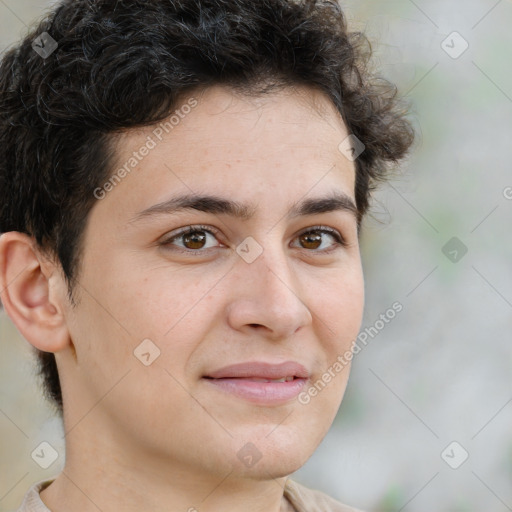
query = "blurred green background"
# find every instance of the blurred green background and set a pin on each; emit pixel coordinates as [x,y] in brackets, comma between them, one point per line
[440,371]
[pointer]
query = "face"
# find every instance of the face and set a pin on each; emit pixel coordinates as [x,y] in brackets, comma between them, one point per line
[230,294]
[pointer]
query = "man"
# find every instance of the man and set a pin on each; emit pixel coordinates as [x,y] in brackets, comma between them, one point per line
[183,184]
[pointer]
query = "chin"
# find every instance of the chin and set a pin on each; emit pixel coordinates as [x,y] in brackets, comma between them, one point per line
[281,466]
[275,456]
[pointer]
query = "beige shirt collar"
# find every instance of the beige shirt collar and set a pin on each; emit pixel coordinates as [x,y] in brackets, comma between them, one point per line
[296,498]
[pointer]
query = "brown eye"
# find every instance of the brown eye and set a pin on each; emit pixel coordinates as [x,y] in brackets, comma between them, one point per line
[311,240]
[320,240]
[194,240]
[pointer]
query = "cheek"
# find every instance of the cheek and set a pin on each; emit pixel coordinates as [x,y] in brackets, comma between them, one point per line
[161,301]
[340,312]
[123,308]
[339,306]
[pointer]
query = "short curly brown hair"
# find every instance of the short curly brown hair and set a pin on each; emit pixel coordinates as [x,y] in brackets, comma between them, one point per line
[124,63]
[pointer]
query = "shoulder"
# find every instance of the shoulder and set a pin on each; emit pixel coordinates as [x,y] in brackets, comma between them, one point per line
[308,500]
[32,501]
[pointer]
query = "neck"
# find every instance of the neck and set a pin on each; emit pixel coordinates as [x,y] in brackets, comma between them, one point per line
[103,477]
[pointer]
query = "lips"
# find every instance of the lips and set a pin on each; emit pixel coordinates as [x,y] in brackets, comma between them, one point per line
[263,371]
[263,383]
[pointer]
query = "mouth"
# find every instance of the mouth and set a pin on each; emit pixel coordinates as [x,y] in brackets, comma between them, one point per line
[259,379]
[261,383]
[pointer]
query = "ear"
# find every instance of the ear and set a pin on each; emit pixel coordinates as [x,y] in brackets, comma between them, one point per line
[31,292]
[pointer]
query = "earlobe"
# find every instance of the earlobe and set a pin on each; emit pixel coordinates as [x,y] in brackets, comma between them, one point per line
[28,294]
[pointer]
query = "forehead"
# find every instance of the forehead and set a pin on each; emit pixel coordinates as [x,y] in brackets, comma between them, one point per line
[219,142]
[218,115]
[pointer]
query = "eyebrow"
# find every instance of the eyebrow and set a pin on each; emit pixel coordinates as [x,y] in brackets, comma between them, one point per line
[336,201]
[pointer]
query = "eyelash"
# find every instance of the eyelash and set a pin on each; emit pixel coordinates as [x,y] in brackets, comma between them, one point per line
[339,240]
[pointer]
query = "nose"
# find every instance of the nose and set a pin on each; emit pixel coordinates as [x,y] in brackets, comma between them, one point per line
[268,297]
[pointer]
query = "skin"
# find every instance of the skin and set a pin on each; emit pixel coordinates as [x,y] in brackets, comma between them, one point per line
[140,438]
